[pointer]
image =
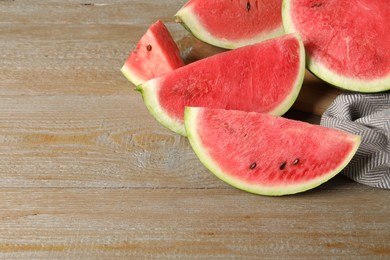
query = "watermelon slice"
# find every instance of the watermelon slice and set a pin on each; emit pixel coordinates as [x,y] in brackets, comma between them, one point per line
[231,24]
[347,42]
[264,77]
[156,53]
[266,154]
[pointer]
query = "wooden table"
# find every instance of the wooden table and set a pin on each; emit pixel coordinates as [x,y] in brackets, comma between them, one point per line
[87,173]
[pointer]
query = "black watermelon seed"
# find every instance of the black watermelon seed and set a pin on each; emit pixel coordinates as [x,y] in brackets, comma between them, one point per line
[253,165]
[248,6]
[283,165]
[149,47]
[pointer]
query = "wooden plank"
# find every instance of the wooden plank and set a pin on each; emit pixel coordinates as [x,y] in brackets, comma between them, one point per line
[78,46]
[68,59]
[80,141]
[110,141]
[88,12]
[207,223]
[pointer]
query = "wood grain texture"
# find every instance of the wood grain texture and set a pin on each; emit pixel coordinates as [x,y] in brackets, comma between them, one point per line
[212,223]
[87,173]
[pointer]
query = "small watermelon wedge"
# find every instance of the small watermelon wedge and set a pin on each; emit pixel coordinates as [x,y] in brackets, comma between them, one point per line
[156,53]
[264,77]
[265,154]
[231,24]
[347,42]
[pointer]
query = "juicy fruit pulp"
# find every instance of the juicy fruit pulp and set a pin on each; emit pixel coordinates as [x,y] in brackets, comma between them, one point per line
[156,53]
[266,154]
[232,24]
[347,42]
[264,77]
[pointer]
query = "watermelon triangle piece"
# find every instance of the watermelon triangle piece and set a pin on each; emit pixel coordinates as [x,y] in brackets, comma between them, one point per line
[231,24]
[347,42]
[156,53]
[265,154]
[263,77]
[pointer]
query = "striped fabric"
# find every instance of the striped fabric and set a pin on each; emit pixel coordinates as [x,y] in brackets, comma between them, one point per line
[367,115]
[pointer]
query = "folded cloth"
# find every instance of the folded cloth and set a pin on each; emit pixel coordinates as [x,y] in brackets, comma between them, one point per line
[367,115]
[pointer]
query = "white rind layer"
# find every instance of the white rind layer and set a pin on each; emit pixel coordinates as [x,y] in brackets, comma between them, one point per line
[191,22]
[131,76]
[150,93]
[329,75]
[191,117]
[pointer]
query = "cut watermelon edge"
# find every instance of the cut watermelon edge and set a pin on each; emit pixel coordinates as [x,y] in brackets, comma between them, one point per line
[287,103]
[162,37]
[190,120]
[326,74]
[347,83]
[131,76]
[150,88]
[190,22]
[149,91]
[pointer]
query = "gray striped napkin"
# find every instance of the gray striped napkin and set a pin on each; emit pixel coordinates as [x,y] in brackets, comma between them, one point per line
[367,115]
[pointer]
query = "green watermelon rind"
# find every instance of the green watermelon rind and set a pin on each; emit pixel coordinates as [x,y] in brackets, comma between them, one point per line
[150,88]
[131,76]
[191,23]
[149,91]
[328,75]
[190,121]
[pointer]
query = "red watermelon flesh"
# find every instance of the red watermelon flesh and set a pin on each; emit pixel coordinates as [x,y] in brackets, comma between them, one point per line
[264,77]
[156,53]
[347,42]
[231,24]
[267,154]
